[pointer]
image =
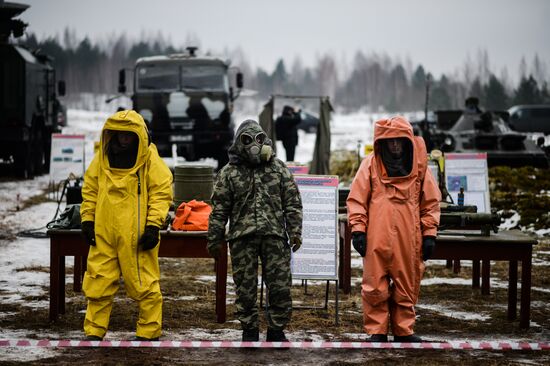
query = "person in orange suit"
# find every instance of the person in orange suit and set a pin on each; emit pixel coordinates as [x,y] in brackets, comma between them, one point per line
[393,211]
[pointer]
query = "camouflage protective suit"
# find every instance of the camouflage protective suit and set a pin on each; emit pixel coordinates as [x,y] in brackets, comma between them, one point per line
[264,209]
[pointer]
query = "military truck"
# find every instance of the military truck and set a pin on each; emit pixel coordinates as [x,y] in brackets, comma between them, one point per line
[29,109]
[187,102]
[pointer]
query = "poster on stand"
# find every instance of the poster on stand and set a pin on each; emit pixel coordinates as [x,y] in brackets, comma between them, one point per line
[298,169]
[67,156]
[318,256]
[469,172]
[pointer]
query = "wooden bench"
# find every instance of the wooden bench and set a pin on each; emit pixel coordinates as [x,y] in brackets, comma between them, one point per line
[512,246]
[174,244]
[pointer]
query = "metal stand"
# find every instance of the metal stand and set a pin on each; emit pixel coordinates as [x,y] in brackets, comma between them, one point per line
[304,284]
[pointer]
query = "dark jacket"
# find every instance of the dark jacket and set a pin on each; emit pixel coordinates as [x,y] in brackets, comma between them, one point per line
[286,127]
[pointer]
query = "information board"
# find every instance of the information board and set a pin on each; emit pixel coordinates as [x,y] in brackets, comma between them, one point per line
[298,169]
[318,256]
[470,172]
[67,156]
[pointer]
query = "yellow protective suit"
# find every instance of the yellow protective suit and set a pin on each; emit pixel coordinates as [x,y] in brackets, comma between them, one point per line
[122,202]
[395,212]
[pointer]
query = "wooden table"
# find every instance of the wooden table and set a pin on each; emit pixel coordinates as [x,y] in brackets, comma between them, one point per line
[174,244]
[512,246]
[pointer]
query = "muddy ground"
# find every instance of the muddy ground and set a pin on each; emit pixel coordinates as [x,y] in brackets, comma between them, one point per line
[189,315]
[449,309]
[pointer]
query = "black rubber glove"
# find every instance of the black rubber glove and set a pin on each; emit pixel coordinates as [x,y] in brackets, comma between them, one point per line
[359,241]
[214,249]
[150,237]
[295,243]
[88,232]
[428,246]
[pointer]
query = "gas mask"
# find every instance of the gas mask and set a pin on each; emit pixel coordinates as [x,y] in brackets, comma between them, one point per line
[256,148]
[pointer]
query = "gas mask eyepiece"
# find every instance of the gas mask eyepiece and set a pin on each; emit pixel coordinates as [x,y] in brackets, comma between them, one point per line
[255,147]
[247,139]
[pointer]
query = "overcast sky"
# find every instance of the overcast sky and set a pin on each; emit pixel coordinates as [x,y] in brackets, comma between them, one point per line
[439,34]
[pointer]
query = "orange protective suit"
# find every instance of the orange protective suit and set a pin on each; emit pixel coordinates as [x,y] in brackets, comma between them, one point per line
[395,212]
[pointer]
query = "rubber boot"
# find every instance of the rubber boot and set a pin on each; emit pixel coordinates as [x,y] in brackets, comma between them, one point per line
[251,335]
[407,339]
[138,338]
[275,335]
[93,338]
[377,338]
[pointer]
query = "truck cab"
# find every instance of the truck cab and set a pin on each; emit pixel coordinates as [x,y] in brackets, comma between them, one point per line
[29,108]
[187,103]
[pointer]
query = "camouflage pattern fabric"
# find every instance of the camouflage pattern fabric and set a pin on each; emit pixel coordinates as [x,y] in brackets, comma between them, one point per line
[275,258]
[256,199]
[263,206]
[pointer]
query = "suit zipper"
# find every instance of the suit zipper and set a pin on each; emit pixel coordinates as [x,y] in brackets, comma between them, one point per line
[138,225]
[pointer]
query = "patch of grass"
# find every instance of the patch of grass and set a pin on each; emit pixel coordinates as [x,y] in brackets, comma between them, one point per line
[33,269]
[35,200]
[524,190]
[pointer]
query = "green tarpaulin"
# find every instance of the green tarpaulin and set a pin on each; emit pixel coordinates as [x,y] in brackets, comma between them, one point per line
[321,154]
[266,121]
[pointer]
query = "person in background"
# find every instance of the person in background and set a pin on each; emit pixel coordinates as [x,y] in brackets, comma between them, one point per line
[257,194]
[126,195]
[471,105]
[393,211]
[287,130]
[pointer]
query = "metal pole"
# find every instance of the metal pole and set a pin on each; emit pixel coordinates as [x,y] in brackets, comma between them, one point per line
[428,80]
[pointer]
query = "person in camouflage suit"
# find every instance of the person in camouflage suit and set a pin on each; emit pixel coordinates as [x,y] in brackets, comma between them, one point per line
[258,195]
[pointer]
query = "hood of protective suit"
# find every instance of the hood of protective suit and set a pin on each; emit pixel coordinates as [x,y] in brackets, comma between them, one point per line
[239,154]
[392,169]
[125,121]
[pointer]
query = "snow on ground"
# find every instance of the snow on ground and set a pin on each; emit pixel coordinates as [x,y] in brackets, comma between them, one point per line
[16,284]
[452,313]
[86,123]
[542,232]
[14,193]
[510,222]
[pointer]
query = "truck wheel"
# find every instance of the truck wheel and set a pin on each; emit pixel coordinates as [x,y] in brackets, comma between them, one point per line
[24,163]
[47,151]
[37,150]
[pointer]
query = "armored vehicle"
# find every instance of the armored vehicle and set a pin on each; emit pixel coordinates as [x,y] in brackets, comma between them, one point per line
[485,132]
[530,118]
[29,109]
[187,102]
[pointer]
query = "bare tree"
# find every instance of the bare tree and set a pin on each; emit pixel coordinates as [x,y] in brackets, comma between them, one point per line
[328,75]
[538,69]
[522,68]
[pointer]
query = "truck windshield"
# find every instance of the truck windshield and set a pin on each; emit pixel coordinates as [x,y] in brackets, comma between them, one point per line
[181,77]
[158,77]
[202,77]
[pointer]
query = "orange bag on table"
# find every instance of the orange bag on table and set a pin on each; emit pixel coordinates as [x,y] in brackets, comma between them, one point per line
[192,216]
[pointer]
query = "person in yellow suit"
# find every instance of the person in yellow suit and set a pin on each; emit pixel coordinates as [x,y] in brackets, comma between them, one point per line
[393,211]
[126,195]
